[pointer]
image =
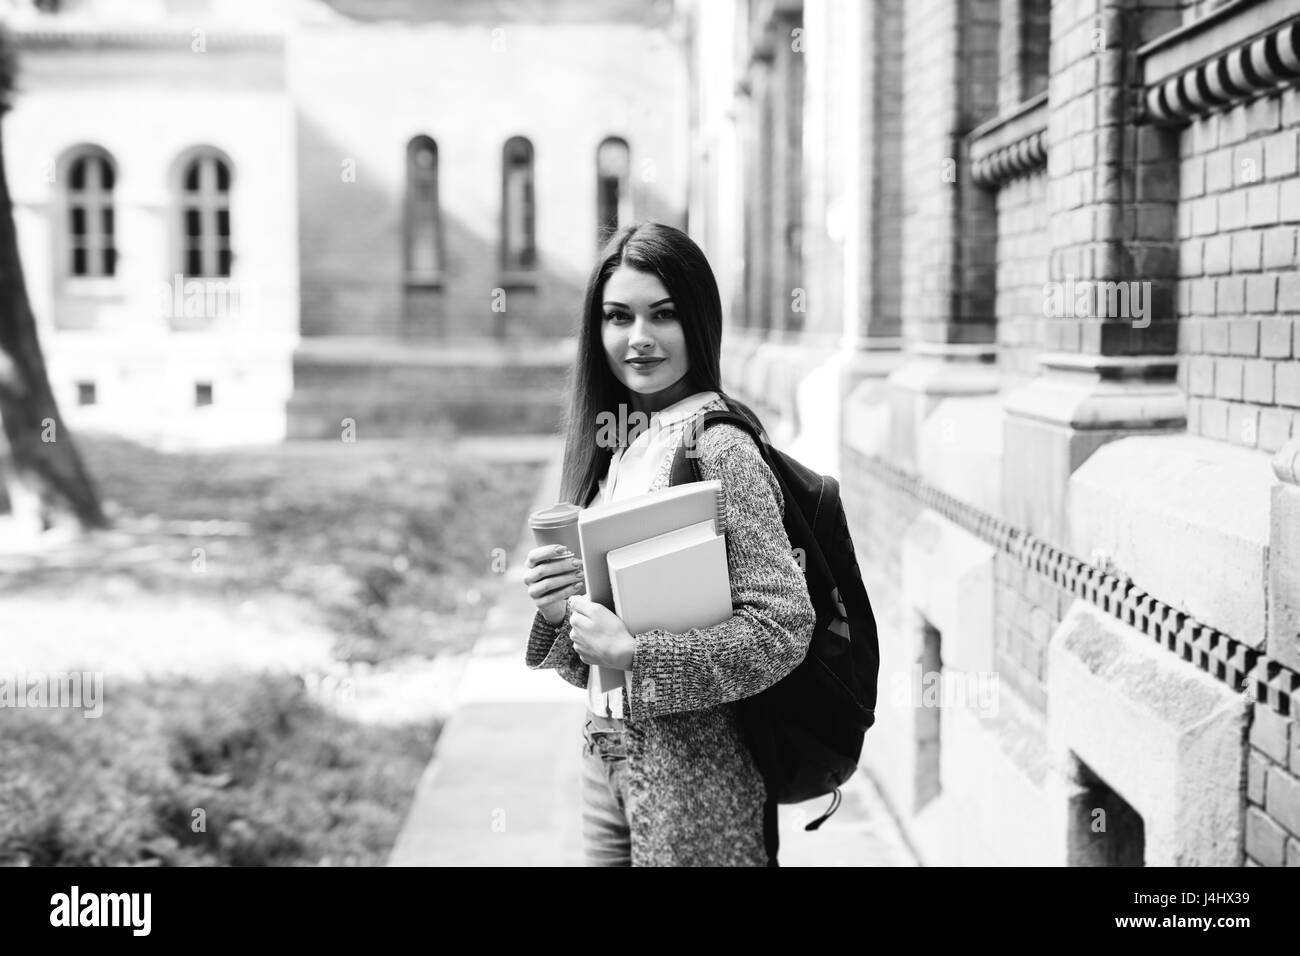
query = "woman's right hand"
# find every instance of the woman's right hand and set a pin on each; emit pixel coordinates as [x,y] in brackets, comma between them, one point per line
[554,573]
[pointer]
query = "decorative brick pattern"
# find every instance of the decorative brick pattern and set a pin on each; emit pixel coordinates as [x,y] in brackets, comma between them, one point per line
[1228,660]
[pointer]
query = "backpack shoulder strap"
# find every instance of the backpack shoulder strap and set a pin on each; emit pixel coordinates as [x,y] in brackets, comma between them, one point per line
[686,467]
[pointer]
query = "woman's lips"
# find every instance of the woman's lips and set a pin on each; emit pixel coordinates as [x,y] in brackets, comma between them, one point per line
[646,366]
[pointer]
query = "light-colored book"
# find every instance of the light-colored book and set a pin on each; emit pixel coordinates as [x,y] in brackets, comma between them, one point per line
[675,581]
[605,527]
[602,528]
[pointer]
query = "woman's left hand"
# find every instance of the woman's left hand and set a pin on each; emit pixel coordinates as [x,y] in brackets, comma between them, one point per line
[599,635]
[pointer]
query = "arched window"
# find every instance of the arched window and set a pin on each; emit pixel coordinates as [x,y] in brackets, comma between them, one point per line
[90,179]
[518,246]
[423,216]
[613,195]
[205,215]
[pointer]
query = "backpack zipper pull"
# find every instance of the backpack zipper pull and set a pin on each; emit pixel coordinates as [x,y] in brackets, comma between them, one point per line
[835,805]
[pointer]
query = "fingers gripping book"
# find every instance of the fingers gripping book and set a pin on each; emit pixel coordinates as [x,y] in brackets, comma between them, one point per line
[658,560]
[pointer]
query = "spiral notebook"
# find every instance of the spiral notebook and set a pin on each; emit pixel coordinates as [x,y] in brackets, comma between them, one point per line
[605,527]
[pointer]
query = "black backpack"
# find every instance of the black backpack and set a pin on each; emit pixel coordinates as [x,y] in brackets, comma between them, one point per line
[805,732]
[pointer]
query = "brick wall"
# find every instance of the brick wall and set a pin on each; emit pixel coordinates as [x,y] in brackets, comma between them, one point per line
[1239,292]
[1110,189]
[930,35]
[1072,138]
[883,177]
[1023,241]
[1027,609]
[975,320]
[941,42]
[1273,791]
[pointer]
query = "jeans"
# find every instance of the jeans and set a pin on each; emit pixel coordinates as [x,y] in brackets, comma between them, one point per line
[606,835]
[606,804]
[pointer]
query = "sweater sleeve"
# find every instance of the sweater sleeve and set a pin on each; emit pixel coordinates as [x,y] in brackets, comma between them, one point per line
[549,645]
[768,634]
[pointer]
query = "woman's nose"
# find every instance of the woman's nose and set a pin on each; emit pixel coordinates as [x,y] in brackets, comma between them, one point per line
[639,337]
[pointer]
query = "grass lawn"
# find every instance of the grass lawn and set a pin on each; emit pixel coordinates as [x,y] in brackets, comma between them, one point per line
[230,580]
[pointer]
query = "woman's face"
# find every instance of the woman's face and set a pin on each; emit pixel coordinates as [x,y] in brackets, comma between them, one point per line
[640,322]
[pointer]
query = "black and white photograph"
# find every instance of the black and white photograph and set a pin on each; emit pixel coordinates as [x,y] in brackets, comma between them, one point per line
[651,433]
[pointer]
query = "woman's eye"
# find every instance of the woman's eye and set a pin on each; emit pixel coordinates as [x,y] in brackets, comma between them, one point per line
[623,316]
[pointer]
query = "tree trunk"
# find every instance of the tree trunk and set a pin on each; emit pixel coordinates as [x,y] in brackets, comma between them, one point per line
[47,482]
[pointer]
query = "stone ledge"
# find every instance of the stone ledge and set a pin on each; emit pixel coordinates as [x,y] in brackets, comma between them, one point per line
[927,378]
[867,418]
[1286,463]
[1160,733]
[1284,559]
[1101,393]
[1194,529]
[947,576]
[959,450]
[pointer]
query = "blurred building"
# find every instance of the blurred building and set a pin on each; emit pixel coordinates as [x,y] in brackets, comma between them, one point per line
[1024,276]
[241,221]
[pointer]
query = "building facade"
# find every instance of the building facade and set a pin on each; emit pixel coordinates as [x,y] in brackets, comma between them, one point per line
[242,222]
[153,172]
[1023,275]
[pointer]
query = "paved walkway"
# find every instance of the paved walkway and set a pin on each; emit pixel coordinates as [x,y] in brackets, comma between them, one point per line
[502,789]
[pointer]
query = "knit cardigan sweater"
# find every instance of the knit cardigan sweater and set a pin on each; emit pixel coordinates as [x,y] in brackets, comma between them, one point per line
[696,797]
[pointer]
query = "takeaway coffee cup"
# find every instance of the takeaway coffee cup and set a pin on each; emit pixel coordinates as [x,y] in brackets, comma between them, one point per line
[557,524]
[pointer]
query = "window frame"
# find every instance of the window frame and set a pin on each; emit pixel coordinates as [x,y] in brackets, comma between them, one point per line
[523,273]
[432,279]
[69,283]
[180,208]
[623,213]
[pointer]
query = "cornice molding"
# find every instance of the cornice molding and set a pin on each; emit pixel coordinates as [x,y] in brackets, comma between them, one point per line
[215,38]
[1011,145]
[1264,64]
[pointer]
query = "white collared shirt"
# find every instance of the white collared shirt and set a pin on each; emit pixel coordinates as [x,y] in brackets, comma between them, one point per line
[631,470]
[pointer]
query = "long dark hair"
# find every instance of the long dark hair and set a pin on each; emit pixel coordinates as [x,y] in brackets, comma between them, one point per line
[681,266]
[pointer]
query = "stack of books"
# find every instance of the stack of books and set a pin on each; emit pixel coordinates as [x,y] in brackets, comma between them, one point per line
[658,560]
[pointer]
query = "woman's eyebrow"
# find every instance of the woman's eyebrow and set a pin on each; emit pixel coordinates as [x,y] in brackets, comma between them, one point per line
[652,304]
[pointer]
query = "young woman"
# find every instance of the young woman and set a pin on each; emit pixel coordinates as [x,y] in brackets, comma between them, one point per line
[667,778]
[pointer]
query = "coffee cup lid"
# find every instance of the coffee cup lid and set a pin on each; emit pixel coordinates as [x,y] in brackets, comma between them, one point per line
[560,513]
